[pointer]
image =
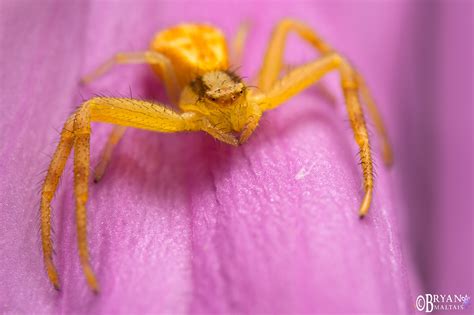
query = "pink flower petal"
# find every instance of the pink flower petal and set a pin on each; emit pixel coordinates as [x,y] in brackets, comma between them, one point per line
[181,223]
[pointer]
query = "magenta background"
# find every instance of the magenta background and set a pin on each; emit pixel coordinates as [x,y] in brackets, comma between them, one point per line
[182,224]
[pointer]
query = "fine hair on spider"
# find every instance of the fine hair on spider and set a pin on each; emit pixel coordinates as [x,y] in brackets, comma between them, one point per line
[192,62]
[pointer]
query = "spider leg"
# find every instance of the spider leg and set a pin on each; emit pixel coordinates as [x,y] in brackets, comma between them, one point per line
[273,63]
[238,43]
[366,96]
[81,178]
[56,168]
[320,86]
[161,64]
[76,132]
[115,135]
[304,76]
[158,61]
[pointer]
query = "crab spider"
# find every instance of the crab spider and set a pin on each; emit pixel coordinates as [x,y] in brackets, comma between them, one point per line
[192,62]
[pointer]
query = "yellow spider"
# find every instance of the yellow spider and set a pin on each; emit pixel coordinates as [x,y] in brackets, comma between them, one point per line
[192,61]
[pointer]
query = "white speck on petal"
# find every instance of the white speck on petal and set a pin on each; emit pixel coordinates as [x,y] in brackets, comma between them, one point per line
[303,172]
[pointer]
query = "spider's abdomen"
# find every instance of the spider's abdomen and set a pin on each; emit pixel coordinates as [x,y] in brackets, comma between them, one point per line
[193,49]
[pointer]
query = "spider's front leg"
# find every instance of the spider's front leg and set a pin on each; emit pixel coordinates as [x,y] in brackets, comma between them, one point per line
[158,61]
[304,76]
[82,132]
[76,132]
[161,64]
[352,84]
[273,63]
[51,181]
[114,138]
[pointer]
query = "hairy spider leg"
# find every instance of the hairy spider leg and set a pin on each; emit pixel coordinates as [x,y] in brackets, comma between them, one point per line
[55,169]
[352,84]
[322,88]
[273,64]
[82,131]
[306,75]
[76,132]
[148,57]
[238,43]
[115,135]
[165,67]
[368,100]
[273,61]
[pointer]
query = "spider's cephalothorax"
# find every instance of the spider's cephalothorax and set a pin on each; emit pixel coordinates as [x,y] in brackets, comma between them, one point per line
[220,87]
[191,60]
[220,97]
[205,88]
